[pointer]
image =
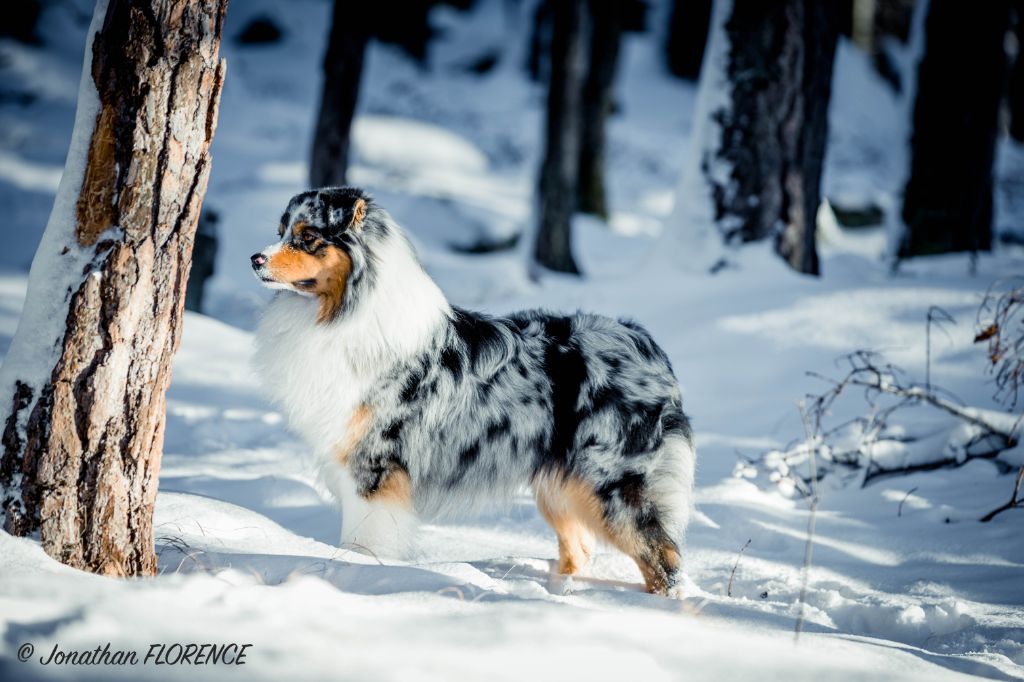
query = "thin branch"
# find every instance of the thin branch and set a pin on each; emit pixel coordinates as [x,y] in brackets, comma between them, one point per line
[936,316]
[899,509]
[728,590]
[809,545]
[1015,500]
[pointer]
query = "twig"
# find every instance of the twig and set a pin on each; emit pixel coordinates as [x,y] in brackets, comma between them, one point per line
[809,546]
[728,589]
[1000,323]
[936,315]
[1015,500]
[899,509]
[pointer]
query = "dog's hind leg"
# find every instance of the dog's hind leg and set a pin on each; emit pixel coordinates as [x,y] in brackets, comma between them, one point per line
[646,515]
[562,509]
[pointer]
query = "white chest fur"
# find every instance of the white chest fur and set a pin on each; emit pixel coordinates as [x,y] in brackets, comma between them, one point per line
[306,369]
[320,373]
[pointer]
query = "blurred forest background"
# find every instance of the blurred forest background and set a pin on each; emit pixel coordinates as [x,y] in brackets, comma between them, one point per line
[754,167]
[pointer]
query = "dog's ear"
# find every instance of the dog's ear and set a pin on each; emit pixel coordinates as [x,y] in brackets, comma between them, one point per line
[358,214]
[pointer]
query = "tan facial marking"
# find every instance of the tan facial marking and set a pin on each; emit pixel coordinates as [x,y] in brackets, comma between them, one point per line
[324,274]
[358,425]
[396,488]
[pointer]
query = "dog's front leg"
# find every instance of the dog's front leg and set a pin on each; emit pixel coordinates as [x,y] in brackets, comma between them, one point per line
[377,515]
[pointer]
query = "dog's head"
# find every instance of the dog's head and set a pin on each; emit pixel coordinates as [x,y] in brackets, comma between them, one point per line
[321,252]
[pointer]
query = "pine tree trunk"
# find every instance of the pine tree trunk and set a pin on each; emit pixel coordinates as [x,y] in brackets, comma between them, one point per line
[947,205]
[687,36]
[558,173]
[797,242]
[540,39]
[773,134]
[605,37]
[1015,91]
[343,69]
[87,372]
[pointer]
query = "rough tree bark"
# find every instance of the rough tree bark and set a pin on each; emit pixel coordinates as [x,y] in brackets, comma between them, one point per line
[86,375]
[605,38]
[351,27]
[559,171]
[774,130]
[687,36]
[947,205]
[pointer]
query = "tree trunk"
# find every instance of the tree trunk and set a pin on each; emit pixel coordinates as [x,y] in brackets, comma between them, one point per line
[540,39]
[88,369]
[605,37]
[947,205]
[797,243]
[773,133]
[687,36]
[1015,91]
[558,173]
[343,69]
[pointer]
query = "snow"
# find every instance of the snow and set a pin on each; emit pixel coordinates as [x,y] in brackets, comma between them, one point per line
[904,582]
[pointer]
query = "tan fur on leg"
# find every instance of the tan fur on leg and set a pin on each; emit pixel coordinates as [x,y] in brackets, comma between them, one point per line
[573,509]
[575,541]
[572,516]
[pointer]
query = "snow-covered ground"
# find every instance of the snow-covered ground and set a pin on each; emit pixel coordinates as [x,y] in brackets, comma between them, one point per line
[902,584]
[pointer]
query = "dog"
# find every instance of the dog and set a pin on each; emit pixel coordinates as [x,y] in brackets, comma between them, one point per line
[417,408]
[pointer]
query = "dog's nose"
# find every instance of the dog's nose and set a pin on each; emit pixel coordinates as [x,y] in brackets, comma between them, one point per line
[257,259]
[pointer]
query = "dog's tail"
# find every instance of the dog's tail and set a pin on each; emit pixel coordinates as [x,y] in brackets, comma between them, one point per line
[672,478]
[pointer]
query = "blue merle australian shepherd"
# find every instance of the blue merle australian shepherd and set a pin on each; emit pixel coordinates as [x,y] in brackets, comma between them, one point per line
[415,407]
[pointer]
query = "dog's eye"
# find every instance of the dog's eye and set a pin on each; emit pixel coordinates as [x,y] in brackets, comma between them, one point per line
[307,237]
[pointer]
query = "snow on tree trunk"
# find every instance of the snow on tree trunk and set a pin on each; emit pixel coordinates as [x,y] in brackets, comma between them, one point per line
[83,385]
[690,229]
[605,37]
[559,171]
[762,123]
[947,205]
[343,69]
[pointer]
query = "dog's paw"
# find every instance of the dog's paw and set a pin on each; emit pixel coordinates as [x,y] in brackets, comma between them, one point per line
[684,588]
[559,583]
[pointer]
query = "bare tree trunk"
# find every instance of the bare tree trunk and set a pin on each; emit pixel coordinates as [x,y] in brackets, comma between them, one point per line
[773,134]
[605,37]
[540,39]
[558,173]
[1015,90]
[797,243]
[343,69]
[687,36]
[88,369]
[947,205]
